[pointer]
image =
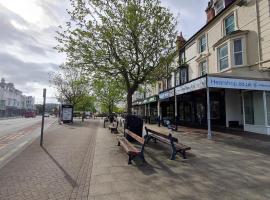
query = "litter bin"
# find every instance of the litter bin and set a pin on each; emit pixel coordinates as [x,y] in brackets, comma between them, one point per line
[134,124]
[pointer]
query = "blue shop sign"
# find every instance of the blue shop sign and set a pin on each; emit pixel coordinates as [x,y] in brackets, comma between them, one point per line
[230,83]
[167,94]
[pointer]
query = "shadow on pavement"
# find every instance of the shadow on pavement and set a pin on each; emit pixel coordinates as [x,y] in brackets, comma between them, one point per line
[72,182]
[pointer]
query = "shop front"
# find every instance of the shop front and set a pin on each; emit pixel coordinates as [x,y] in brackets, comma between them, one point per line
[221,101]
[167,104]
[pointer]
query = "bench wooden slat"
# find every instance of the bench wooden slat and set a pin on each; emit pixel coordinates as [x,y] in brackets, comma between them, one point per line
[129,148]
[161,135]
[135,136]
[182,146]
[160,138]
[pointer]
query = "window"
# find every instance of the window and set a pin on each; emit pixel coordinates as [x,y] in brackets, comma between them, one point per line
[202,68]
[182,57]
[219,6]
[229,25]
[223,57]
[177,78]
[238,52]
[248,107]
[183,75]
[202,44]
[169,82]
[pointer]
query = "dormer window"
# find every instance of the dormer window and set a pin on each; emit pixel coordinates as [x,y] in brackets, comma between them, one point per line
[202,44]
[219,6]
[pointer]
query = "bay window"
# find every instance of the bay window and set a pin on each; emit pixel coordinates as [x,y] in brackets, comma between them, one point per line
[223,57]
[183,75]
[238,52]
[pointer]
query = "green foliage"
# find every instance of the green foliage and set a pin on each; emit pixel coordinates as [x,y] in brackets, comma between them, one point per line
[86,103]
[72,86]
[132,41]
[108,93]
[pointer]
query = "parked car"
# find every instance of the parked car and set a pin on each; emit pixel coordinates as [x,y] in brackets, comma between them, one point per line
[46,115]
[29,114]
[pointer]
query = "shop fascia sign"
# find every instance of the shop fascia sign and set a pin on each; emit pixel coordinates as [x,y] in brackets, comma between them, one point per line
[231,83]
[167,94]
[191,86]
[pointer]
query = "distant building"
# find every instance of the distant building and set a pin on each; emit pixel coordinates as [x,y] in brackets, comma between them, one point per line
[12,101]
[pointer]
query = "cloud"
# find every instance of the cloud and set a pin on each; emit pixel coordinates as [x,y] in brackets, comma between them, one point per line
[191,14]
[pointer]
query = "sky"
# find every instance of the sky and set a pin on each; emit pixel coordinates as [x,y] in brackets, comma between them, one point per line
[28,28]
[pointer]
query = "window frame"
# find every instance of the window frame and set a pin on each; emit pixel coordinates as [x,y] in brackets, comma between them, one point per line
[186,75]
[200,68]
[219,58]
[220,9]
[224,24]
[200,44]
[234,53]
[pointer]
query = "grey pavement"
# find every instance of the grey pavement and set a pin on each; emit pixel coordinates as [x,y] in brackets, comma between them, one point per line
[59,170]
[228,167]
[82,161]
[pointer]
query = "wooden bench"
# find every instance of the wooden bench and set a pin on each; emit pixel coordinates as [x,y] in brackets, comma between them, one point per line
[168,139]
[113,127]
[129,148]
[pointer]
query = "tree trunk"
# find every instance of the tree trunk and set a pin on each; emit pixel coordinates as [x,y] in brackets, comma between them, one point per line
[129,101]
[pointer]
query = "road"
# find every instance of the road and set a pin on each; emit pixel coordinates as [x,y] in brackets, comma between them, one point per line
[16,134]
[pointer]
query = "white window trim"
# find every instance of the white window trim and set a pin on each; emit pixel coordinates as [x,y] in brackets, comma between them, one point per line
[235,22]
[230,44]
[228,55]
[215,6]
[244,52]
[199,43]
[199,67]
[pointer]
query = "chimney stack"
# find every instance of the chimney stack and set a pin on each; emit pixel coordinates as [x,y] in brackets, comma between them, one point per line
[210,11]
[180,41]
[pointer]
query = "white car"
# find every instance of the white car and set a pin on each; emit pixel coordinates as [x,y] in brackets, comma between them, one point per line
[46,115]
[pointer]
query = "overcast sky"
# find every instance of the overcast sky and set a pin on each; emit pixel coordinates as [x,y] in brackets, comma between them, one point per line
[27,31]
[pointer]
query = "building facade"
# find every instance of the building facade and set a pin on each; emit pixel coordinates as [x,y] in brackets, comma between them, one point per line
[223,78]
[13,102]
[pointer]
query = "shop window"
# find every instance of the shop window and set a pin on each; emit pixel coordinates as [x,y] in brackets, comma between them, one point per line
[215,110]
[268,107]
[238,52]
[229,24]
[248,107]
[223,57]
[183,75]
[202,44]
[202,68]
[181,111]
[219,6]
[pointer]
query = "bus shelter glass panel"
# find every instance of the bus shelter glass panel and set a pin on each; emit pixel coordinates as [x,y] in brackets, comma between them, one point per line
[254,109]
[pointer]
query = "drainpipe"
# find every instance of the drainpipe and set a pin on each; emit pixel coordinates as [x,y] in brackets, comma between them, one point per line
[259,33]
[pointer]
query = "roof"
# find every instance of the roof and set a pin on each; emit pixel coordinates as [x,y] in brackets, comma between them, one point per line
[209,23]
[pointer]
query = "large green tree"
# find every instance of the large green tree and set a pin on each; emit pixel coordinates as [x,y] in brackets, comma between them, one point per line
[131,40]
[86,103]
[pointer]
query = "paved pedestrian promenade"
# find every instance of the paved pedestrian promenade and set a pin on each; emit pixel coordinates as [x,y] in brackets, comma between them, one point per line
[82,161]
[59,170]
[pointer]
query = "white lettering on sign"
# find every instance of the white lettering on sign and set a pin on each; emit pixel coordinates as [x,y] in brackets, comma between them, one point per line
[231,83]
[191,86]
[167,94]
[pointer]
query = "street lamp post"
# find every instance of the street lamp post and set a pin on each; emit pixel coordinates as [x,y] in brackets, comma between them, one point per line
[43,112]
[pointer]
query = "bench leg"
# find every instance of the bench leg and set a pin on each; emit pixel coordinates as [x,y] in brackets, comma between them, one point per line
[118,144]
[173,154]
[184,154]
[130,157]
